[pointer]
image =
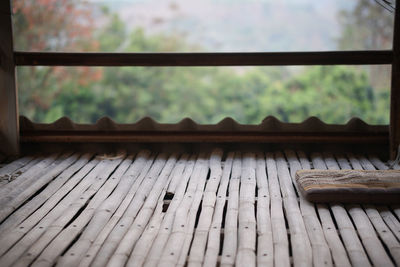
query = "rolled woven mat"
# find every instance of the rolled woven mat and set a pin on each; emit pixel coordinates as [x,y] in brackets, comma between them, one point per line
[350,186]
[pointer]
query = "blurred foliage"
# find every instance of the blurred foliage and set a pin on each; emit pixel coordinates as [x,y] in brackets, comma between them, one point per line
[168,94]
[369,26]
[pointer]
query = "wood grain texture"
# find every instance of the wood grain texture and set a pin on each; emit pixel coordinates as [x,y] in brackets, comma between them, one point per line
[320,249]
[265,244]
[59,216]
[348,231]
[302,253]
[9,120]
[66,234]
[103,213]
[214,236]
[395,88]
[293,137]
[198,247]
[111,243]
[101,237]
[9,171]
[165,230]
[231,220]
[246,253]
[280,237]
[153,204]
[214,208]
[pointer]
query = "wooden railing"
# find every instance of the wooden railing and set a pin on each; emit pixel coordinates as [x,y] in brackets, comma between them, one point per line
[204,59]
[10,59]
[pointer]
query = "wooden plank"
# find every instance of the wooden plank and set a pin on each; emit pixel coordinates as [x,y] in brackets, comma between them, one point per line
[19,195]
[143,246]
[9,122]
[191,220]
[231,218]
[384,232]
[11,234]
[265,245]
[171,251]
[378,163]
[367,165]
[349,236]
[154,199]
[295,137]
[351,186]
[11,237]
[7,172]
[365,230]
[280,238]
[396,210]
[394,128]
[159,243]
[246,253]
[198,247]
[101,237]
[178,169]
[53,222]
[320,249]
[183,224]
[343,162]
[348,233]
[391,221]
[103,214]
[62,237]
[15,187]
[204,59]
[214,236]
[17,173]
[354,162]
[139,251]
[41,200]
[40,235]
[118,232]
[29,177]
[339,255]
[302,253]
[152,241]
[396,166]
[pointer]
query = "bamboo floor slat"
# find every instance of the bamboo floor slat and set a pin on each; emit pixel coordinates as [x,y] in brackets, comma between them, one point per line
[222,208]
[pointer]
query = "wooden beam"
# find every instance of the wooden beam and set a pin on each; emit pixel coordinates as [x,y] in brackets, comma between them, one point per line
[204,59]
[9,127]
[395,89]
[198,137]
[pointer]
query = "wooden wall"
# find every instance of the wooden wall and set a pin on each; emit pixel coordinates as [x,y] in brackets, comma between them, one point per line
[9,129]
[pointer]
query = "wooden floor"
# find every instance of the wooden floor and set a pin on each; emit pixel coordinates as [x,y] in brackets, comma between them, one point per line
[219,208]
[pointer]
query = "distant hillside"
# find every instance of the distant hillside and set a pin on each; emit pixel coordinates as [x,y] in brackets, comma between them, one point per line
[233,25]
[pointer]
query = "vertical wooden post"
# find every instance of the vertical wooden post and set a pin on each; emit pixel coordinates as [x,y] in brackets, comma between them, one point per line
[9,126]
[395,90]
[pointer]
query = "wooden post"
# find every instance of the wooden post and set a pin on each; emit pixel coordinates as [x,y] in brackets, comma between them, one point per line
[395,90]
[9,126]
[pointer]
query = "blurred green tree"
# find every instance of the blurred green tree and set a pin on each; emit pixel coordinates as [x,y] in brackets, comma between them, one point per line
[369,26]
[51,25]
[168,94]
